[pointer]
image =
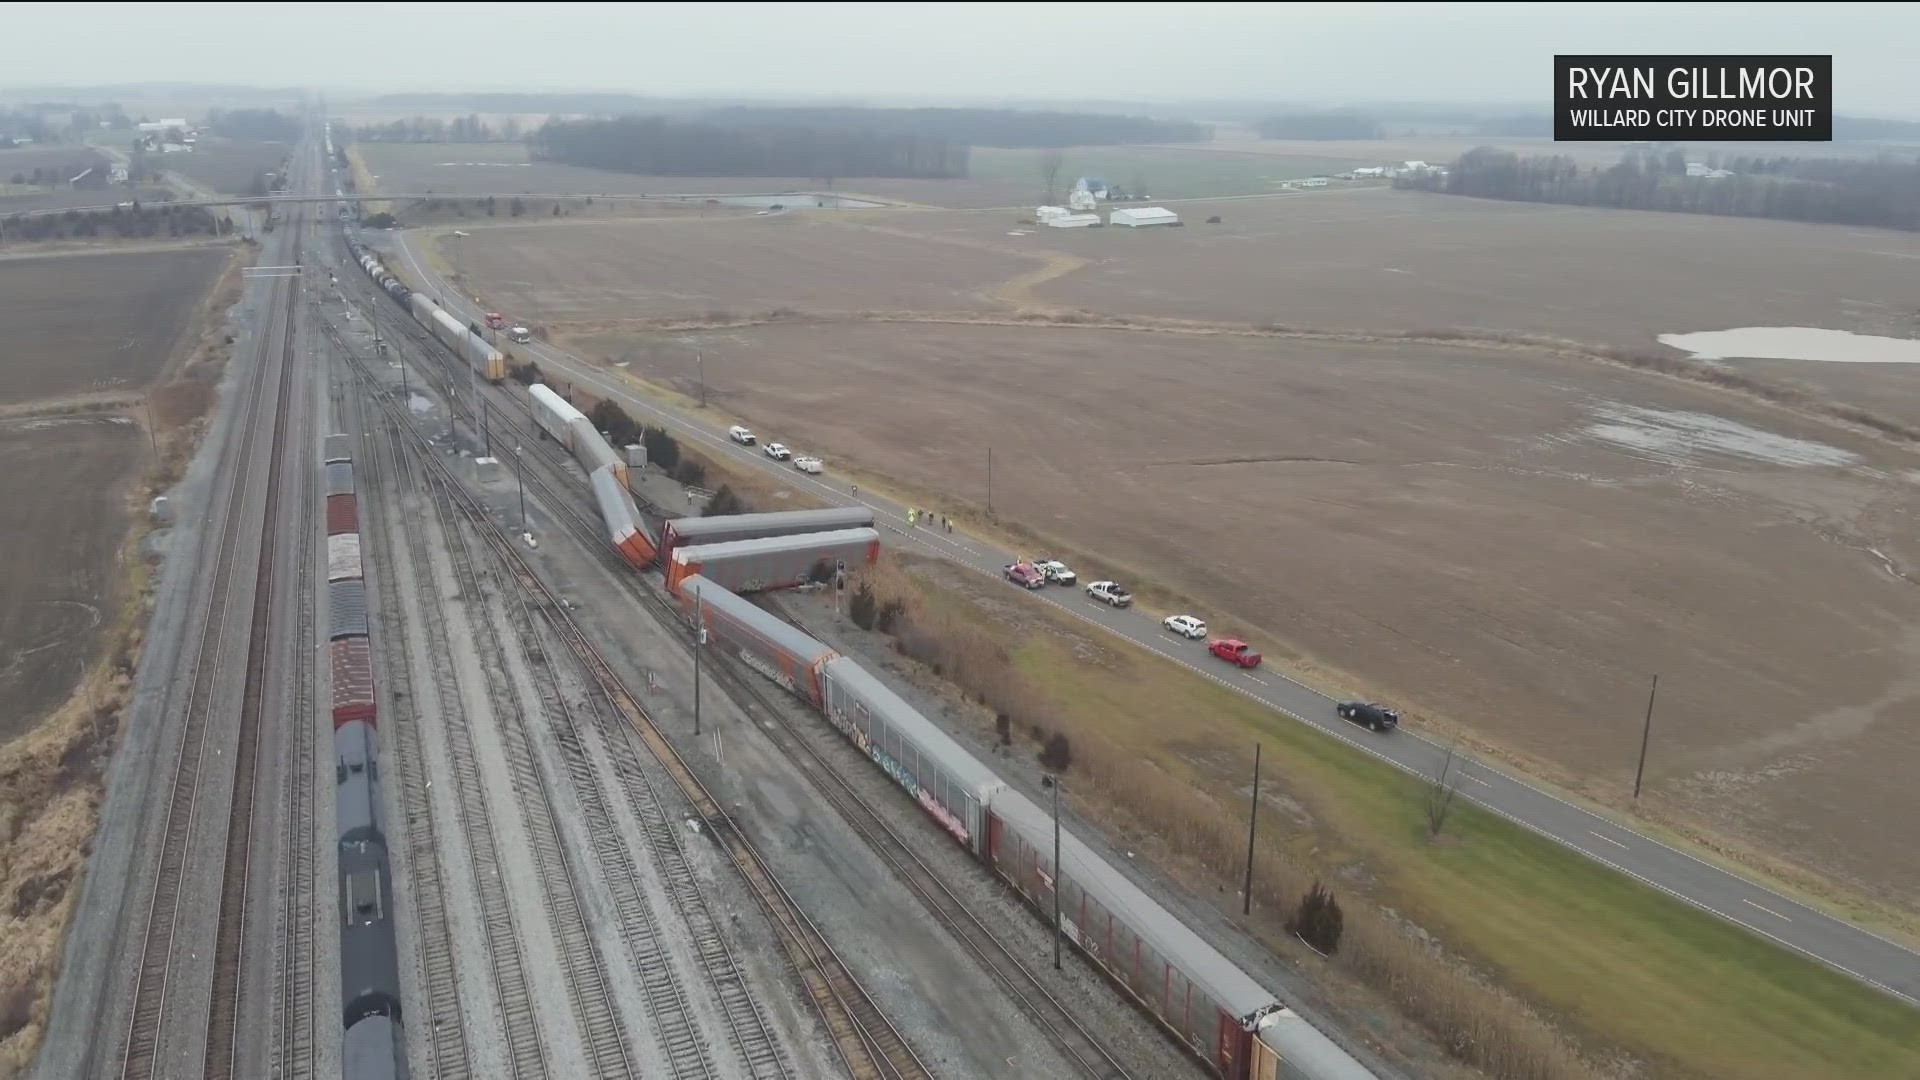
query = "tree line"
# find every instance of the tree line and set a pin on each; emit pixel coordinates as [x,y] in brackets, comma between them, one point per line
[254,125]
[126,223]
[1322,124]
[1883,193]
[432,129]
[657,146]
[1017,128]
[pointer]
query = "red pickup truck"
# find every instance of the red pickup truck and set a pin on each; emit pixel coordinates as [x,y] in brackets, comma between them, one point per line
[1234,651]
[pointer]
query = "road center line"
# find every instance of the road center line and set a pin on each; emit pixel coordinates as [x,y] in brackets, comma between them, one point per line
[1768,910]
[1607,838]
[1262,682]
[1477,780]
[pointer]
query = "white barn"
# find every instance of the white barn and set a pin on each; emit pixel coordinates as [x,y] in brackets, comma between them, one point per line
[1044,214]
[1136,216]
[1074,221]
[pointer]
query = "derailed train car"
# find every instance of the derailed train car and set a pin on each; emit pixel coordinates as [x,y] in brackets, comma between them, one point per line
[468,344]
[773,562]
[571,428]
[728,527]
[1242,1031]
[626,530]
[761,640]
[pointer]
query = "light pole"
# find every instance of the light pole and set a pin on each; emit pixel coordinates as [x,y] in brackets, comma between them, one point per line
[699,640]
[1645,734]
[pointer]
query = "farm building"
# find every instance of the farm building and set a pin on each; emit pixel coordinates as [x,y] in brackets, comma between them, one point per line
[1136,216]
[1073,221]
[1096,186]
[1044,214]
[1082,199]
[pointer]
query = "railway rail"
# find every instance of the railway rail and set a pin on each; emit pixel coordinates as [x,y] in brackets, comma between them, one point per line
[867,1042]
[153,989]
[1065,1031]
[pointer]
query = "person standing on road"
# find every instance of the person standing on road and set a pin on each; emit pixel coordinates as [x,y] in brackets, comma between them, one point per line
[949,522]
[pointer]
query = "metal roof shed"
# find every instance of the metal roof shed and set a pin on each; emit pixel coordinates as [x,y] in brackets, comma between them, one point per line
[1137,216]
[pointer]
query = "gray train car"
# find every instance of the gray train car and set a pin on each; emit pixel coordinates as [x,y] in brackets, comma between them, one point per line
[727,527]
[340,478]
[374,1049]
[950,784]
[343,557]
[592,451]
[626,529]
[763,641]
[490,362]
[772,562]
[369,955]
[339,447]
[554,414]
[1288,1048]
[346,609]
[1204,998]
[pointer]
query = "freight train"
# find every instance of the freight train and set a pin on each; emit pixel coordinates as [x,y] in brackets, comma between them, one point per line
[373,1046]
[1215,1008]
[473,349]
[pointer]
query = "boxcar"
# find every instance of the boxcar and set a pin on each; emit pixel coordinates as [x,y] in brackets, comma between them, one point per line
[343,515]
[352,663]
[343,557]
[346,609]
[592,451]
[1289,1048]
[625,528]
[1206,1000]
[728,527]
[340,478]
[762,640]
[772,562]
[339,447]
[554,414]
[949,783]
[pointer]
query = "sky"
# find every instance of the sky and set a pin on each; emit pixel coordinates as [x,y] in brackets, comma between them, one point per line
[1164,52]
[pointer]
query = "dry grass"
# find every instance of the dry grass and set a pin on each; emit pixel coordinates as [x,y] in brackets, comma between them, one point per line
[1478,1023]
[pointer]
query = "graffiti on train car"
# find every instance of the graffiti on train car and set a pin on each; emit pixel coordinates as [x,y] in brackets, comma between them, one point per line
[760,665]
[907,780]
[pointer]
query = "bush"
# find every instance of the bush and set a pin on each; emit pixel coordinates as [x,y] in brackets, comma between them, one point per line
[1057,754]
[381,220]
[692,474]
[526,374]
[725,501]
[662,450]
[822,573]
[860,608]
[890,616]
[612,419]
[1318,920]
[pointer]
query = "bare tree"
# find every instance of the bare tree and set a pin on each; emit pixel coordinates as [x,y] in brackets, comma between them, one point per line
[1050,164]
[1442,787]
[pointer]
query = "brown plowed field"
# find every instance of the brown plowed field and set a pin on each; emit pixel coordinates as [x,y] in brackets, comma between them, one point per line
[1512,541]
[63,512]
[96,323]
[670,266]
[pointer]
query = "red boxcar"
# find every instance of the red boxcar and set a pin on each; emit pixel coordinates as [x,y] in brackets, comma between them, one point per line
[352,660]
[343,515]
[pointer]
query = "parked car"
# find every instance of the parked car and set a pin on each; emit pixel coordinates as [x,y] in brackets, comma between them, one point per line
[1024,575]
[1186,626]
[776,451]
[807,464]
[740,435]
[1110,592]
[1369,714]
[1234,651]
[1055,571]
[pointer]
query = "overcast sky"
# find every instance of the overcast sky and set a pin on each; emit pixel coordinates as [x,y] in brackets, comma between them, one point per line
[1167,51]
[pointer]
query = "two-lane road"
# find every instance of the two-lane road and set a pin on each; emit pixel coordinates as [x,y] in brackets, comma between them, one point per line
[1860,953]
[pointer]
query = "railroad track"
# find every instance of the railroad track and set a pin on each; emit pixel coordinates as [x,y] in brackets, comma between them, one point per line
[1058,1023]
[867,1042]
[152,989]
[446,1021]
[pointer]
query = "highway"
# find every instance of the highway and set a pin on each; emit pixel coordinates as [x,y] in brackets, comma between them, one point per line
[1841,945]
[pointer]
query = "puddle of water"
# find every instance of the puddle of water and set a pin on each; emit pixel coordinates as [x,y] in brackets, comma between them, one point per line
[1796,343]
[1681,438]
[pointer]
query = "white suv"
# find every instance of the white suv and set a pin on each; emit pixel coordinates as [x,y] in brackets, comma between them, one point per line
[740,435]
[1185,625]
[776,451]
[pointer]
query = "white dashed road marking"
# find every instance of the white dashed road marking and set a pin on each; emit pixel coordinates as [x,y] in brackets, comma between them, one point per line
[1768,910]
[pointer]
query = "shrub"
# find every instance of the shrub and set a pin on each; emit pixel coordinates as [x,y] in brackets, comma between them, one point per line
[692,474]
[725,501]
[612,419]
[889,616]
[382,220]
[860,608]
[822,573]
[1057,754]
[1318,920]
[662,450]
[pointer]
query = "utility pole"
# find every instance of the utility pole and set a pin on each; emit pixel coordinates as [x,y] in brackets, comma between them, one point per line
[1253,820]
[989,481]
[699,641]
[700,360]
[153,434]
[1645,734]
[520,481]
[1053,782]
